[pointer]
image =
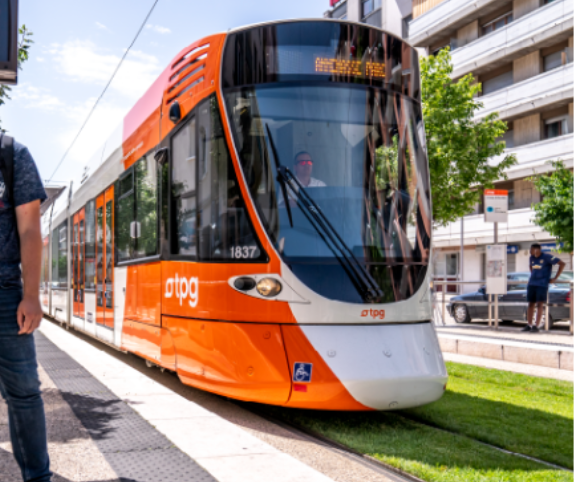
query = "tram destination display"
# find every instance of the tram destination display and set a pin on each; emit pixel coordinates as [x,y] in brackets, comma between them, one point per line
[8,41]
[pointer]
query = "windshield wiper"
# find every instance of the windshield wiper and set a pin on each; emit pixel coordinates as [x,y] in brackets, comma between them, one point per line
[361,278]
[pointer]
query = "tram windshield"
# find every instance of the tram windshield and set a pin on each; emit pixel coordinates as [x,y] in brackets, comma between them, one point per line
[339,174]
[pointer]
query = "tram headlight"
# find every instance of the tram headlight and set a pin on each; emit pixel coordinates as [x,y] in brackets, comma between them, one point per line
[268,287]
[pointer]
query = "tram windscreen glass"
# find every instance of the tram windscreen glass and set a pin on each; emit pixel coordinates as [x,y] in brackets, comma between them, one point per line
[358,153]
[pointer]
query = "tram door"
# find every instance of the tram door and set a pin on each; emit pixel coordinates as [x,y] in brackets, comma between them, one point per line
[78,252]
[105,258]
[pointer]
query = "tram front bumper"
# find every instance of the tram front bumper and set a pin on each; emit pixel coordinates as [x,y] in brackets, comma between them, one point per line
[383,367]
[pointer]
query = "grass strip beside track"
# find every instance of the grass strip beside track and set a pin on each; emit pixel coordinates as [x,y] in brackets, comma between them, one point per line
[516,412]
[520,413]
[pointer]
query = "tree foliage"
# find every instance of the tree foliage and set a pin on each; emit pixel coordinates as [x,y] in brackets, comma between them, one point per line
[555,213]
[23,55]
[459,146]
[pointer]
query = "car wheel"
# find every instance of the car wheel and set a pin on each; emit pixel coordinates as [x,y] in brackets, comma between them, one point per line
[460,314]
[543,319]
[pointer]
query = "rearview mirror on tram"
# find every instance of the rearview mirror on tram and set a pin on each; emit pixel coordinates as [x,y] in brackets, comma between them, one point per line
[174,112]
[135,229]
[161,156]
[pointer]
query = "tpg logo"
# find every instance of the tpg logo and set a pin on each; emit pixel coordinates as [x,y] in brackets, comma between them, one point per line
[380,314]
[183,289]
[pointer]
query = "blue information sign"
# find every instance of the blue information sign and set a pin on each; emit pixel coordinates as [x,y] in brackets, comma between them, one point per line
[302,372]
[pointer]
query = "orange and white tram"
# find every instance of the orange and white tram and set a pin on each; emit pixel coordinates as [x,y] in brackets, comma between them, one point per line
[260,223]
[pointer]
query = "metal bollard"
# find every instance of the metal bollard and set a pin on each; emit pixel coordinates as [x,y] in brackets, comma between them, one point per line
[571,310]
[546,312]
[443,302]
[495,312]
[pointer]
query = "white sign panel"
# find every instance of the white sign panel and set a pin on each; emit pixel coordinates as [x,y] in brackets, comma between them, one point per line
[496,269]
[495,206]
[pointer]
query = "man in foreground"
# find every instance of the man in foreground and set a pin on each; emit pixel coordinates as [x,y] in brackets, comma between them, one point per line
[537,289]
[21,193]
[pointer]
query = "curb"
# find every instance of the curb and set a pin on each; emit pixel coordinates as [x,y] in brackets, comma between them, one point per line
[511,351]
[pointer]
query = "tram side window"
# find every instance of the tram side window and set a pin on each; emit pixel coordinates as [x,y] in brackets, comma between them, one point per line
[90,254]
[146,206]
[136,211]
[225,229]
[125,216]
[183,190]
[60,256]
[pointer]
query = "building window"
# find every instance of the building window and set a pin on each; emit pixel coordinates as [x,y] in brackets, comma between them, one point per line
[508,138]
[556,127]
[406,23]
[369,6]
[497,23]
[339,11]
[557,59]
[510,199]
[496,83]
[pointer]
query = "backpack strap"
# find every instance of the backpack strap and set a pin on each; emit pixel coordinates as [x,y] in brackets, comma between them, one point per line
[7,166]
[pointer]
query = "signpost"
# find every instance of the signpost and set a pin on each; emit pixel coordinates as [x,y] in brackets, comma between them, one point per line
[8,41]
[495,211]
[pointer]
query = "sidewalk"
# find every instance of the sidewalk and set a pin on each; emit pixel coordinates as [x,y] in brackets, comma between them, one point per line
[111,419]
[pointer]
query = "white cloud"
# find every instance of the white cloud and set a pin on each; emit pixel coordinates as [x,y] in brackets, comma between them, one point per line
[40,59]
[158,28]
[101,26]
[34,97]
[83,61]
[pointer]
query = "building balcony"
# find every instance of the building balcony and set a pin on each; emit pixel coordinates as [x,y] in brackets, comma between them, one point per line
[540,28]
[532,157]
[542,92]
[520,227]
[447,17]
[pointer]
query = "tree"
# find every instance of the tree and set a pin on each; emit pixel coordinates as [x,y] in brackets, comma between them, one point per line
[23,54]
[459,147]
[555,213]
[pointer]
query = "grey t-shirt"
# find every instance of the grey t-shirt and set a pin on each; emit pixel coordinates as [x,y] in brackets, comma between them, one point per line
[27,188]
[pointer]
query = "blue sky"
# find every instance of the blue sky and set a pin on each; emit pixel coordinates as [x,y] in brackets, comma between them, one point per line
[79,43]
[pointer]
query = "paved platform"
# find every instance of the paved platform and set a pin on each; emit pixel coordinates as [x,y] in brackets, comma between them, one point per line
[112,419]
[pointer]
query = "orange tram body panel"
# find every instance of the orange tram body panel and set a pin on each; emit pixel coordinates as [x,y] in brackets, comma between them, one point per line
[260,223]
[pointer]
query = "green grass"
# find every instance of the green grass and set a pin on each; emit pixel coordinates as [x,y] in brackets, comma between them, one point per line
[517,412]
[524,414]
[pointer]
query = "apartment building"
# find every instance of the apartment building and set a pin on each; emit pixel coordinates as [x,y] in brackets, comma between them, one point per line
[521,53]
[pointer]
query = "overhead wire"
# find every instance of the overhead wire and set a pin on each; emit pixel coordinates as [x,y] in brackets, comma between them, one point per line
[105,89]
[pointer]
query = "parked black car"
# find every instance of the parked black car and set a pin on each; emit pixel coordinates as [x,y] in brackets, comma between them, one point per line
[516,293]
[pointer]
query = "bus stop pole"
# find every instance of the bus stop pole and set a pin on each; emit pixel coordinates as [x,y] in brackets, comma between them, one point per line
[489,310]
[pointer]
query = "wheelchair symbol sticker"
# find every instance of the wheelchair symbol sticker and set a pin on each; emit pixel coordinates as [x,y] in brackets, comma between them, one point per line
[302,372]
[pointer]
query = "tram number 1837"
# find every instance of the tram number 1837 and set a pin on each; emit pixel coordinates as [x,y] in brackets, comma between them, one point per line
[244,252]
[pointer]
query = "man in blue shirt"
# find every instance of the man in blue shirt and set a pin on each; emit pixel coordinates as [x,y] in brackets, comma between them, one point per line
[20,311]
[540,277]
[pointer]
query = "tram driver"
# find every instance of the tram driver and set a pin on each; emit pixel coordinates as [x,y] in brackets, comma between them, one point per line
[303,168]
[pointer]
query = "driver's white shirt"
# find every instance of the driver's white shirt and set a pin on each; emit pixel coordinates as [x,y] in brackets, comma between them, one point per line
[291,193]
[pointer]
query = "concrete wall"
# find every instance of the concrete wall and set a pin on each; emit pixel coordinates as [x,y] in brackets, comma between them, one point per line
[354,10]
[423,6]
[528,66]
[527,130]
[524,7]
[467,34]
[392,12]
